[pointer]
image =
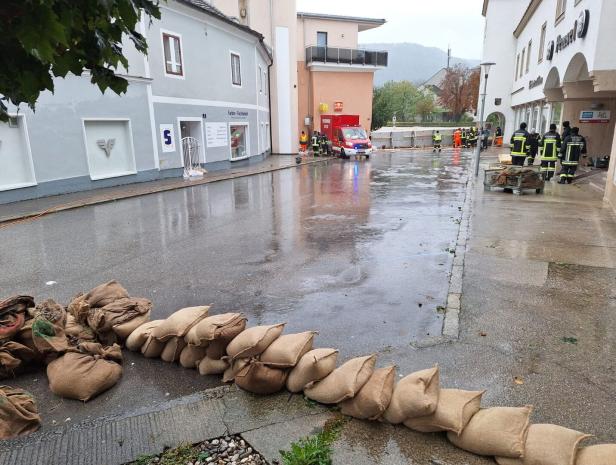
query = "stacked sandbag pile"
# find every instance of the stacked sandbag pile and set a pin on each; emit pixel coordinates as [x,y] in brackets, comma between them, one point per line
[109,312]
[164,339]
[207,341]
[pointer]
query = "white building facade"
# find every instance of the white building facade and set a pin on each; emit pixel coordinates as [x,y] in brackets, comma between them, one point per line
[555,62]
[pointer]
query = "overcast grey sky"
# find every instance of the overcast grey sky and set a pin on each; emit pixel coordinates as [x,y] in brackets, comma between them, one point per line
[434,23]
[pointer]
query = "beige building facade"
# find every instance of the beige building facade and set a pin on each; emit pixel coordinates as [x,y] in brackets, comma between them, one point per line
[334,75]
[318,66]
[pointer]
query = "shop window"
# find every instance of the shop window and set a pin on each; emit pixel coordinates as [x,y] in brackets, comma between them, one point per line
[239,144]
[542,42]
[172,47]
[236,70]
[561,7]
[530,47]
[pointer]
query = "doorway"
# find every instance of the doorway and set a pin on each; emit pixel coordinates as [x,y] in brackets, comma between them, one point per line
[191,137]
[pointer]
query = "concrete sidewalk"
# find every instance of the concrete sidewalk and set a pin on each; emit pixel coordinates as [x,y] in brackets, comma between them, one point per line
[39,207]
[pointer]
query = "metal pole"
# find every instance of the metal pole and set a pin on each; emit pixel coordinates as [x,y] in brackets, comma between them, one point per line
[481,124]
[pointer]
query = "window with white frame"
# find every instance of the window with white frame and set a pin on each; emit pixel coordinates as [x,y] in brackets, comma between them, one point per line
[522,62]
[561,7]
[517,66]
[172,48]
[236,70]
[528,53]
[260,80]
[542,42]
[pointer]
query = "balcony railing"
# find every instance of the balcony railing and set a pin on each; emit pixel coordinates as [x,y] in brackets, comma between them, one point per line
[345,56]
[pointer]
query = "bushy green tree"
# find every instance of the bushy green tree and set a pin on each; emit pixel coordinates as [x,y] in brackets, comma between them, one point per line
[402,99]
[43,39]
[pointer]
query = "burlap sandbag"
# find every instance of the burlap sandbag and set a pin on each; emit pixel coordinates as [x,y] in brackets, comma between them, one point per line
[172,350]
[49,338]
[548,445]
[77,331]
[117,319]
[258,378]
[253,341]
[152,347]
[207,366]
[137,338]
[344,382]
[454,410]
[313,366]
[18,413]
[86,371]
[217,349]
[373,398]
[415,395]
[233,368]
[191,356]
[13,315]
[180,322]
[601,454]
[224,326]
[499,431]
[100,296]
[51,311]
[14,357]
[286,351]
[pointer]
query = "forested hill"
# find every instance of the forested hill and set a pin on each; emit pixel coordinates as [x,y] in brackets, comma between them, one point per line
[412,62]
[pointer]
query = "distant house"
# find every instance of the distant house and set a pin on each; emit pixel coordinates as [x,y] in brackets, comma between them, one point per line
[434,88]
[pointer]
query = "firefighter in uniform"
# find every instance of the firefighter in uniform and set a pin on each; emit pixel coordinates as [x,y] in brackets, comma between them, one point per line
[574,146]
[437,138]
[464,138]
[315,143]
[472,137]
[550,146]
[519,146]
[534,140]
[303,142]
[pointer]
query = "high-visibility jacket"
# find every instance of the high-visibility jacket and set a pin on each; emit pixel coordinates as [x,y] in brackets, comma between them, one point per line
[573,148]
[519,143]
[437,138]
[303,138]
[315,141]
[551,146]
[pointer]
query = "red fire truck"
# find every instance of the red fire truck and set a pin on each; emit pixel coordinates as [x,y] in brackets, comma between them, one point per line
[346,134]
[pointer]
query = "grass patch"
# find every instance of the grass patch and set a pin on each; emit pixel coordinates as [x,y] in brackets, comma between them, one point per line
[315,449]
[179,456]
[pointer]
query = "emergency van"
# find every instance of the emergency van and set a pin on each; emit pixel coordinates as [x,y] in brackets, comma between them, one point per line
[346,135]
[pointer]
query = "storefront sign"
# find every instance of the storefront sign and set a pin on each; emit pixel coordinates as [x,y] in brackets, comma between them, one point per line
[216,134]
[337,106]
[591,116]
[238,114]
[167,138]
[535,82]
[579,31]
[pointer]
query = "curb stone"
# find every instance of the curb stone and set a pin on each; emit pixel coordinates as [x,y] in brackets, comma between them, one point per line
[451,322]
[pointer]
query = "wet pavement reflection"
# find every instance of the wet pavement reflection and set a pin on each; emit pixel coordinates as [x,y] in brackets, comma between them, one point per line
[357,250]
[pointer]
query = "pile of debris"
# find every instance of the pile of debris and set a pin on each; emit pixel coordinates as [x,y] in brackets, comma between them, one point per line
[83,356]
[510,176]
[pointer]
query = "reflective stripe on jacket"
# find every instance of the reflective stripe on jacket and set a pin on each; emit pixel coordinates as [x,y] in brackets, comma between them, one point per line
[550,147]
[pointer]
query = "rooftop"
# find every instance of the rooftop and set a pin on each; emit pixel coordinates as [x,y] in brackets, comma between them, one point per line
[363,23]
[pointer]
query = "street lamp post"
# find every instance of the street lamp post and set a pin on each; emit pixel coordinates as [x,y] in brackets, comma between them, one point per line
[486,67]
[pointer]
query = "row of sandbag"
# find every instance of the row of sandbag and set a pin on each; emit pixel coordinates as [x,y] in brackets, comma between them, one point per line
[262,360]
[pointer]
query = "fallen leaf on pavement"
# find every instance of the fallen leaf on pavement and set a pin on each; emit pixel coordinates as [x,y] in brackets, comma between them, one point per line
[570,340]
[518,380]
[482,334]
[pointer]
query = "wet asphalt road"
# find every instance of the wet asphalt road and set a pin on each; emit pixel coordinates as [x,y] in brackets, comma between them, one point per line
[357,250]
